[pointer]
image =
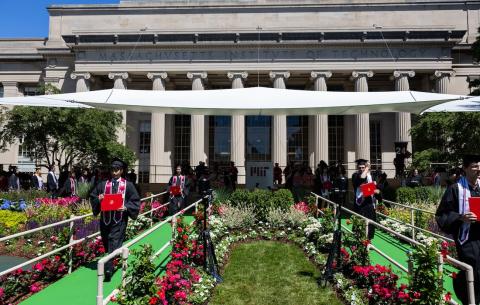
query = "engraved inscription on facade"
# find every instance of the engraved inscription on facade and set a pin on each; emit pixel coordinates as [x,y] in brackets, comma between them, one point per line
[262,54]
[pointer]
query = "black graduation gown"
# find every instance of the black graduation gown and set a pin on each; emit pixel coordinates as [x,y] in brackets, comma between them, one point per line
[178,202]
[367,208]
[113,225]
[449,220]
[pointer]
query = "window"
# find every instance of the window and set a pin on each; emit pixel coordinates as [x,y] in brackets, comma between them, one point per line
[143,177]
[219,142]
[375,145]
[24,152]
[1,91]
[31,91]
[335,138]
[182,139]
[297,138]
[258,137]
[145,137]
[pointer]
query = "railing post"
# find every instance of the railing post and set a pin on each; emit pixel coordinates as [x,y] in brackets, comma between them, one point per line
[100,275]
[151,212]
[410,266]
[174,227]
[71,239]
[125,253]
[366,228]
[412,222]
[470,287]
[440,271]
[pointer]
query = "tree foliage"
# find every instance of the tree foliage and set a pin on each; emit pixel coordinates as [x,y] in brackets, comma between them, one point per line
[444,137]
[65,136]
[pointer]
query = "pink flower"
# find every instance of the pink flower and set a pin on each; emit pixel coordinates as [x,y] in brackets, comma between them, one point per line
[180,295]
[448,296]
[38,267]
[34,288]
[2,292]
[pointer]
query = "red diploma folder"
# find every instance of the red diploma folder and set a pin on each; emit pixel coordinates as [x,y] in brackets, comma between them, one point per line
[112,202]
[474,203]
[175,190]
[368,189]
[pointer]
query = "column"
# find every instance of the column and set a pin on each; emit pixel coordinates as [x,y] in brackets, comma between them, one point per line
[160,164]
[442,80]
[83,81]
[403,121]
[279,146]
[197,137]
[237,138]
[120,82]
[10,155]
[319,125]
[362,120]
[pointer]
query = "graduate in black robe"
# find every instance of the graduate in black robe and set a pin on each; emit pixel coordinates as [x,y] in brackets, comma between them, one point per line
[113,224]
[177,201]
[365,206]
[453,217]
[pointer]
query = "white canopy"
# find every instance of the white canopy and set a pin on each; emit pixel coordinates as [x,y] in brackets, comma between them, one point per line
[466,105]
[247,101]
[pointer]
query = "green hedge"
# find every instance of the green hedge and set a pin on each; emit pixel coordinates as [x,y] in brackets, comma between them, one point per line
[427,194]
[262,200]
[27,195]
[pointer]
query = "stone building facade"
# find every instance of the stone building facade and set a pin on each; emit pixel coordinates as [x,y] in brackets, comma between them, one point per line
[337,45]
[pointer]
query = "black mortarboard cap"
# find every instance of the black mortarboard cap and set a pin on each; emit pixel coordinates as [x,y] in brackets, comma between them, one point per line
[470,158]
[361,161]
[116,162]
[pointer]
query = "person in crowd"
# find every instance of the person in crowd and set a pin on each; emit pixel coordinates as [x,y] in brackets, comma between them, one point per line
[288,174]
[70,186]
[277,174]
[382,182]
[297,183]
[454,217]
[52,182]
[437,178]
[113,224]
[96,177]
[37,180]
[204,182]
[322,180]
[179,189]
[13,180]
[63,177]
[340,185]
[365,205]
[84,177]
[132,176]
[3,179]
[415,179]
[233,175]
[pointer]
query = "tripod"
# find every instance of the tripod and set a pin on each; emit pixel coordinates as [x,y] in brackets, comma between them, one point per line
[335,250]
[210,262]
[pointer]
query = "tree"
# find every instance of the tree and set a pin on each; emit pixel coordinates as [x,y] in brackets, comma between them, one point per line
[444,137]
[63,136]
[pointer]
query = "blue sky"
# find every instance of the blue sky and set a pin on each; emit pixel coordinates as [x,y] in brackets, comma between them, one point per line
[29,18]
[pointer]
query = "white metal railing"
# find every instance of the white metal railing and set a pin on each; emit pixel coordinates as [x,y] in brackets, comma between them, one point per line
[454,262]
[101,263]
[72,241]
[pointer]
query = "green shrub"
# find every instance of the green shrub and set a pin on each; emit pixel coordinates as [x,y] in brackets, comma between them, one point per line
[240,196]
[282,199]
[406,195]
[11,222]
[262,201]
[424,194]
[83,190]
[27,195]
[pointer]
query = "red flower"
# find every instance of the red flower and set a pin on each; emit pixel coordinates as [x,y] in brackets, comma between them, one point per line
[448,296]
[454,275]
[34,288]
[57,258]
[366,242]
[38,267]
[416,295]
[153,301]
[2,292]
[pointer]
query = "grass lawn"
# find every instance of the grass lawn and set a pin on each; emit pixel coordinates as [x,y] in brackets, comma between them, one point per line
[271,273]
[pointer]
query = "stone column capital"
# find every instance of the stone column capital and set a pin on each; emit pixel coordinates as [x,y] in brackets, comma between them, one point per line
[193,75]
[316,74]
[358,74]
[443,73]
[399,73]
[279,74]
[154,75]
[235,74]
[77,75]
[116,75]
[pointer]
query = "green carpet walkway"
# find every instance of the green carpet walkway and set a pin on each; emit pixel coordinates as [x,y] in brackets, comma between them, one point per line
[398,250]
[80,287]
